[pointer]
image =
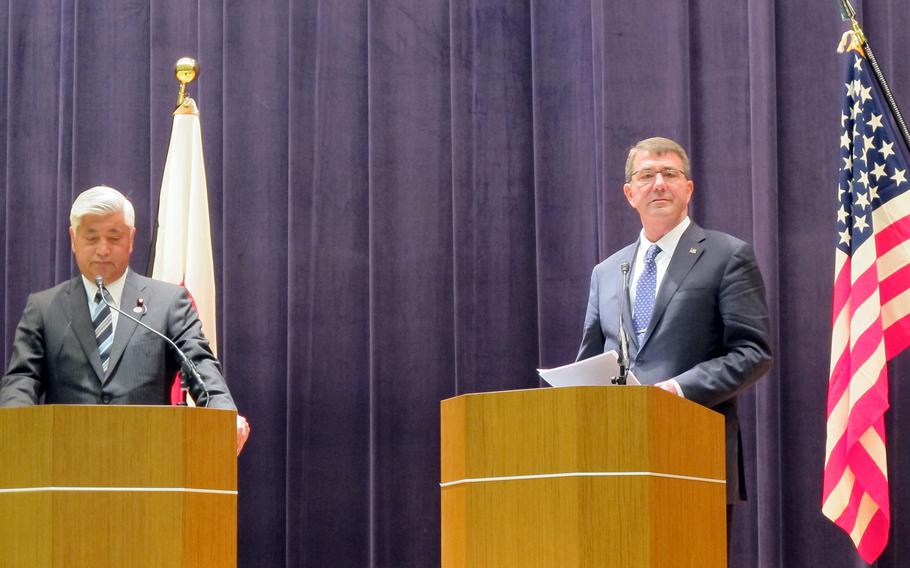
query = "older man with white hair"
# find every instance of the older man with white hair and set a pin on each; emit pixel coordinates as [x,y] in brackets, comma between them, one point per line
[70,348]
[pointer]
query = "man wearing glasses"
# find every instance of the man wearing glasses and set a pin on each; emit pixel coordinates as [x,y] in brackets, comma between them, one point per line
[695,313]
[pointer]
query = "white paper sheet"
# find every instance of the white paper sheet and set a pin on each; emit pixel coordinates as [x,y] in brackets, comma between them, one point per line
[594,371]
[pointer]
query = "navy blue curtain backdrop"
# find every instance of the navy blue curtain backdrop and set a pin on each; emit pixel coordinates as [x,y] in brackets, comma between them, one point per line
[408,197]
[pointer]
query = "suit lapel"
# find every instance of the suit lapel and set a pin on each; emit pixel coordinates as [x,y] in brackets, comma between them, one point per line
[81,322]
[688,250]
[132,288]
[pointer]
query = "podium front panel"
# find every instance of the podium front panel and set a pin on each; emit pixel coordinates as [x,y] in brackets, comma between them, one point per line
[586,476]
[118,486]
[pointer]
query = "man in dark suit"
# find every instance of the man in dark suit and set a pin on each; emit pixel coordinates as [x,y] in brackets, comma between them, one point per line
[696,316]
[71,350]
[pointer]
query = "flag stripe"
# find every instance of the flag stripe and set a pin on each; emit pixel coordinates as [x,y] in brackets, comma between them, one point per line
[893,286]
[850,403]
[875,538]
[848,503]
[837,492]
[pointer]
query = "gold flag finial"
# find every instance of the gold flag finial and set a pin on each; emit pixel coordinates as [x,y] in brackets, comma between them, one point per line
[186,69]
[850,41]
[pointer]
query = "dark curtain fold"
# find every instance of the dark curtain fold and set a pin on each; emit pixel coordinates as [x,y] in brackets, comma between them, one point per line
[407,199]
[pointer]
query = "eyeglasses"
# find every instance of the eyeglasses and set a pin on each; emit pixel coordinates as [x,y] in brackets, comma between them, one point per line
[648,176]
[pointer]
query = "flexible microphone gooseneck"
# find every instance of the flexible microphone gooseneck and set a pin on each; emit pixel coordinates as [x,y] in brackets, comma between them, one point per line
[187,367]
[623,358]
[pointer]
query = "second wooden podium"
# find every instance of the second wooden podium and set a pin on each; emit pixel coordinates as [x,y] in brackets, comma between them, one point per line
[582,477]
[117,486]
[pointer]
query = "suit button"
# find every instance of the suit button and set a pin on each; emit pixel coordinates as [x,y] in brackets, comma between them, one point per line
[105,398]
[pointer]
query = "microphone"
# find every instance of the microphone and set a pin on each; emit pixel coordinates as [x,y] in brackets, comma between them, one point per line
[187,368]
[623,358]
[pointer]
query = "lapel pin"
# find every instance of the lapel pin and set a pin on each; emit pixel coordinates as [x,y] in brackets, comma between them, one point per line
[692,251]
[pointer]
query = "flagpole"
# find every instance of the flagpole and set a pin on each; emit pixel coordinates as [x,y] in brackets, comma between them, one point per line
[186,69]
[848,13]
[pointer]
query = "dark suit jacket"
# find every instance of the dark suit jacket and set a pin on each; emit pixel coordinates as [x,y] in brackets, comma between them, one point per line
[709,329]
[55,353]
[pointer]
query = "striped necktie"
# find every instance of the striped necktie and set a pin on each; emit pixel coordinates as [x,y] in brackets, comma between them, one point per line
[104,329]
[645,293]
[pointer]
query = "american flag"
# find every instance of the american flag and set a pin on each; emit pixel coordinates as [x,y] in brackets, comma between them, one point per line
[871,304]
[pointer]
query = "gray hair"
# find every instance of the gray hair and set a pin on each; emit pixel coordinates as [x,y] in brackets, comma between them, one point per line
[101,200]
[657,146]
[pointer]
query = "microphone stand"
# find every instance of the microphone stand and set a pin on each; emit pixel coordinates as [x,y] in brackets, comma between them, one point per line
[623,358]
[188,369]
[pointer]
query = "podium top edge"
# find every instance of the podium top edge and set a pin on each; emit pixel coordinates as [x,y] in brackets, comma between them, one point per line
[548,388]
[644,390]
[155,407]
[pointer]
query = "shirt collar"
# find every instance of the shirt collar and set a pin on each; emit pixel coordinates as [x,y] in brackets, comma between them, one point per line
[668,242]
[115,288]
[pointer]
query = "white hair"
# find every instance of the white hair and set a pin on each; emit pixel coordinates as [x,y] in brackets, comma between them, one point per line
[101,200]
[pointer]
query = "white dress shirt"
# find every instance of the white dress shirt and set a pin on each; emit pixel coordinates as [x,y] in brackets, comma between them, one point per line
[116,290]
[667,244]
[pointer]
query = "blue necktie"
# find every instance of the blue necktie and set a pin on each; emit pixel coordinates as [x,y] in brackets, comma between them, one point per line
[645,293]
[104,329]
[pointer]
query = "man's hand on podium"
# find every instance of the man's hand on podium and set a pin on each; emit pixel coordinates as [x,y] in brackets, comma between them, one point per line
[671,386]
[243,432]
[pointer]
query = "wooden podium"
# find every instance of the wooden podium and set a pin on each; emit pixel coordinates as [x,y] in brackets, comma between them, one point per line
[582,477]
[117,486]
